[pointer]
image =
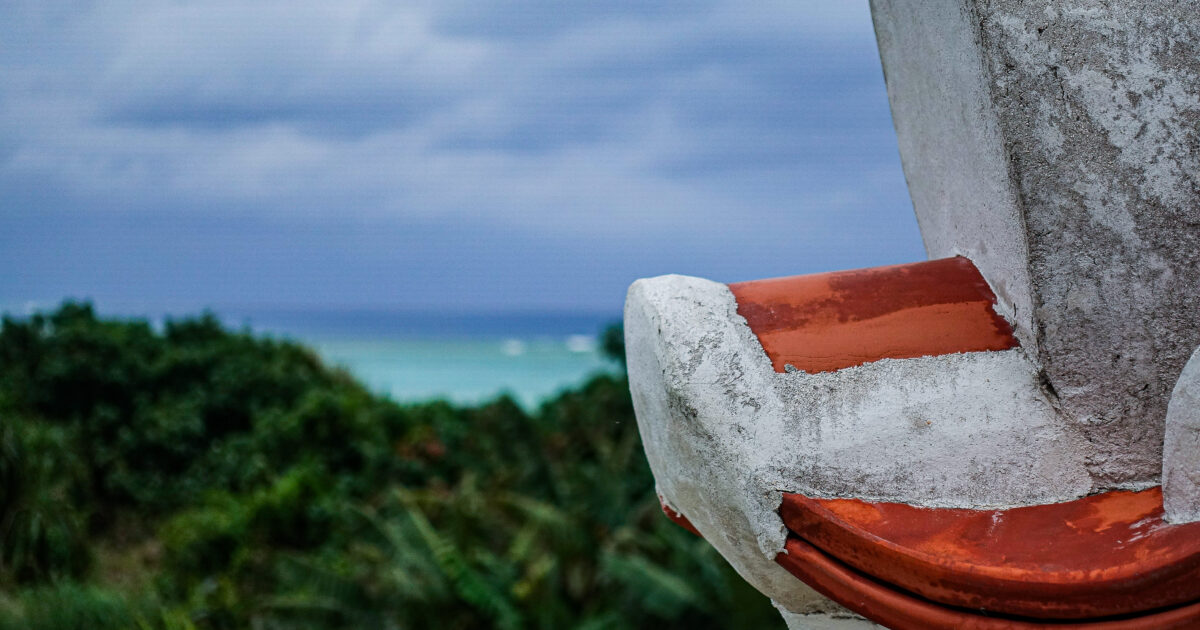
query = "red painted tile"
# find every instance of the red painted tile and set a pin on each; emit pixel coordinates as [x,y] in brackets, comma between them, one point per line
[829,321]
[1108,554]
[898,610]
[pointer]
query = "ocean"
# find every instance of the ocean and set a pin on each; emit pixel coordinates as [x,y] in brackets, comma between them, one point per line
[463,358]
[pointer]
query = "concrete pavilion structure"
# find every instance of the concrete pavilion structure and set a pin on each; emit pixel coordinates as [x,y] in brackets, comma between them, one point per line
[1007,435]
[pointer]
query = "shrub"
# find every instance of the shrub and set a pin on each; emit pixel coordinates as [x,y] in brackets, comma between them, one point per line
[259,488]
[71,606]
[42,530]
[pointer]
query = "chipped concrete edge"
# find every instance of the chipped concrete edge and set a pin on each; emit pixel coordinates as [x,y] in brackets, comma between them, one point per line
[824,621]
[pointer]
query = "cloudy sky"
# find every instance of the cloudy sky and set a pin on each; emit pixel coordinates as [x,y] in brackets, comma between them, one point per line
[441,154]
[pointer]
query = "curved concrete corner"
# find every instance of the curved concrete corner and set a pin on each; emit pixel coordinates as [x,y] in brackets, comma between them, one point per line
[726,435]
[1181,447]
[717,498]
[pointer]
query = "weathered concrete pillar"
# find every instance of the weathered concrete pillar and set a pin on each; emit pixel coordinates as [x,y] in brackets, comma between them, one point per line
[1056,143]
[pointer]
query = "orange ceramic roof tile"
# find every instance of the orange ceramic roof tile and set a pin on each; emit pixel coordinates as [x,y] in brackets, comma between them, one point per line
[1103,555]
[897,606]
[898,610]
[829,321]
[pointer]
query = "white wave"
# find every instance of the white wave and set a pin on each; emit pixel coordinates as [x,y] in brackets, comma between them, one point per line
[581,343]
[513,347]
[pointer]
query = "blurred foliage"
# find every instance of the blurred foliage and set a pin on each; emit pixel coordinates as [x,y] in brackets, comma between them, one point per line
[195,477]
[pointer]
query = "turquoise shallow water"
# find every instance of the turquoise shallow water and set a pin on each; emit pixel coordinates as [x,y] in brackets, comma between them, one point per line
[464,358]
[467,370]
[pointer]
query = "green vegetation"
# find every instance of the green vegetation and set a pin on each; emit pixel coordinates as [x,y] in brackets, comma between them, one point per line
[197,478]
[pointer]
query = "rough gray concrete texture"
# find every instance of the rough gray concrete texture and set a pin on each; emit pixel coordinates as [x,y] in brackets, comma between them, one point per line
[1181,447]
[1056,143]
[726,435]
